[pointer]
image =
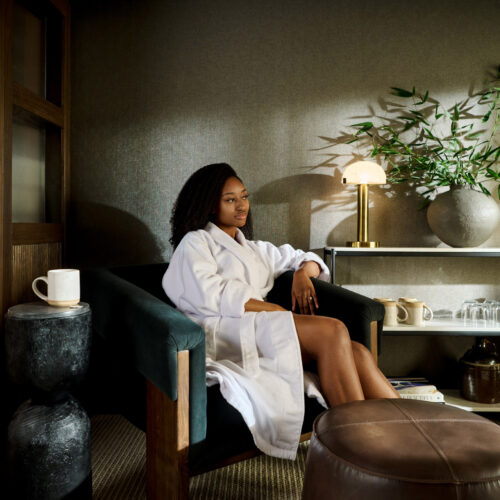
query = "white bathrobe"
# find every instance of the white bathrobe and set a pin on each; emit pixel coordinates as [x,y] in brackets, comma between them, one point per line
[255,357]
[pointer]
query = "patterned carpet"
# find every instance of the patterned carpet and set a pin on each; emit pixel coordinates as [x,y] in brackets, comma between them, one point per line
[119,469]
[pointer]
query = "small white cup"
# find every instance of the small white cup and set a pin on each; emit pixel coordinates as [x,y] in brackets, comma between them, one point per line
[63,287]
[417,313]
[391,317]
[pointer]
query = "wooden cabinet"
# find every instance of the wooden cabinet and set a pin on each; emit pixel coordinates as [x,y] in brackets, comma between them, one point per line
[34,145]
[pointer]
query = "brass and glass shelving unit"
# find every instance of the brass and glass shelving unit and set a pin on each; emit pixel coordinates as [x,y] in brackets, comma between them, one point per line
[440,327]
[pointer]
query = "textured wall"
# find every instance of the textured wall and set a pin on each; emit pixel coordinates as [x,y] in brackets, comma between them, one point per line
[160,88]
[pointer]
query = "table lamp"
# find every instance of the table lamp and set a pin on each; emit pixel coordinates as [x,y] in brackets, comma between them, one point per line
[363,173]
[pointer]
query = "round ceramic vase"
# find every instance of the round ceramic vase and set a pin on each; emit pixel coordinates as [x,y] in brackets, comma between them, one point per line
[463,217]
[49,454]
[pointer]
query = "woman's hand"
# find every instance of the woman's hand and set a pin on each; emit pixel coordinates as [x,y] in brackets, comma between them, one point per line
[303,292]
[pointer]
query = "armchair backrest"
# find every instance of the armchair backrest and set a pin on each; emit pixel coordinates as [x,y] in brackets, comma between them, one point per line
[148,277]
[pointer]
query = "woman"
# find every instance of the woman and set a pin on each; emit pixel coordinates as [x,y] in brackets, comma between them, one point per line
[255,349]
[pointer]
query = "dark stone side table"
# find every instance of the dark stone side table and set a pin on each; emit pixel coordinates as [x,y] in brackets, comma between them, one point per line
[47,352]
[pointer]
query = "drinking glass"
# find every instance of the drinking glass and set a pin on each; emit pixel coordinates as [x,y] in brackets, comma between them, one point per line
[480,315]
[494,307]
[466,311]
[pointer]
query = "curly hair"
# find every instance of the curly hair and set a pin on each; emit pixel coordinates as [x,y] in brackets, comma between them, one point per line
[198,199]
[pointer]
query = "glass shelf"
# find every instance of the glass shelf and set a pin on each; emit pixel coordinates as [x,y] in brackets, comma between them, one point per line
[443,327]
[415,251]
[333,252]
[452,397]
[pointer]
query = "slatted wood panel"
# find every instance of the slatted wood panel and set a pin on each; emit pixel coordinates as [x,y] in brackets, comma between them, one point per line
[28,262]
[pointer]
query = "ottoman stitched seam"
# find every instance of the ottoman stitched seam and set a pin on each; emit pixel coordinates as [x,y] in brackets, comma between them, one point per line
[434,445]
[405,421]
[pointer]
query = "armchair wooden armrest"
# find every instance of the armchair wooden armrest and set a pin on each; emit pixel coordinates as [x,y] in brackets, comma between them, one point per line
[168,349]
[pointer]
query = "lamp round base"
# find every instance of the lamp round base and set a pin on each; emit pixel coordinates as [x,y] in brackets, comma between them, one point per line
[362,244]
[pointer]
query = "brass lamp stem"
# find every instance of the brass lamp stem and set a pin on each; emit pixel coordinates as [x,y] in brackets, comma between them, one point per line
[362,220]
[362,212]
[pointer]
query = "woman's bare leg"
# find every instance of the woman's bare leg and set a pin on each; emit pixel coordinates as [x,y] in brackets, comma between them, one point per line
[347,370]
[327,341]
[374,383]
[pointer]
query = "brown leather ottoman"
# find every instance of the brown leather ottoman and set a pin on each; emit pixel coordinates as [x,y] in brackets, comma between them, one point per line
[402,449]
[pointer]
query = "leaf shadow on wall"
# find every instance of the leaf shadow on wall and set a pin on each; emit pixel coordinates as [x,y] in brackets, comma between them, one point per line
[104,236]
[393,222]
[298,191]
[395,218]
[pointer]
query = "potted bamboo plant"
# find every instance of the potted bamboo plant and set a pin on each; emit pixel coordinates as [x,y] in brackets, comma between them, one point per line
[434,147]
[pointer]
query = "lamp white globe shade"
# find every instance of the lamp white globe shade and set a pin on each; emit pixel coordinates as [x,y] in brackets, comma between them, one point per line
[364,172]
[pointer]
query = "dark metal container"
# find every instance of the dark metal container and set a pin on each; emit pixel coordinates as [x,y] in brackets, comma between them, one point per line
[480,373]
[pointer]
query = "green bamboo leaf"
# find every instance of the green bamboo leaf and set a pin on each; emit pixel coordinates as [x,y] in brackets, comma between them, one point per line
[423,99]
[363,127]
[492,173]
[402,92]
[486,117]
[484,190]
[430,135]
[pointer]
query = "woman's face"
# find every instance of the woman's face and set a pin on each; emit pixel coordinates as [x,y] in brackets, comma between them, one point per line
[232,210]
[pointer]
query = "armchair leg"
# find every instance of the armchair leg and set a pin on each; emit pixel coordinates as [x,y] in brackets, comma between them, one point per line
[167,438]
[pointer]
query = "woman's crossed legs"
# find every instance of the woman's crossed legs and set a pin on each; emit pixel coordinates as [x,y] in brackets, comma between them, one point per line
[347,370]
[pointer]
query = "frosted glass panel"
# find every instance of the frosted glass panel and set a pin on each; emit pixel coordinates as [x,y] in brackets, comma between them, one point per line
[29,50]
[28,172]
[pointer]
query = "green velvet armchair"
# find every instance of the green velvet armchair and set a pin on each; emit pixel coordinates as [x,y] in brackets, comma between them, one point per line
[190,428]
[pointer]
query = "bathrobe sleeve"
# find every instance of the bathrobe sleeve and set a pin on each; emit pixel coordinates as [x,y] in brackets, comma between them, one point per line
[193,284]
[286,258]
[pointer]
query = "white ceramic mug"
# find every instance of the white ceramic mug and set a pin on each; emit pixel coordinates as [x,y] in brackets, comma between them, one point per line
[63,287]
[391,317]
[417,313]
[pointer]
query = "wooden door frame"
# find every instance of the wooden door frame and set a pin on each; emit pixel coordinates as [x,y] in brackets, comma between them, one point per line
[12,93]
[5,152]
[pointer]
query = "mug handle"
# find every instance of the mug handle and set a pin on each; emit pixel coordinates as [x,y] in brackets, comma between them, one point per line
[403,308]
[430,313]
[35,289]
